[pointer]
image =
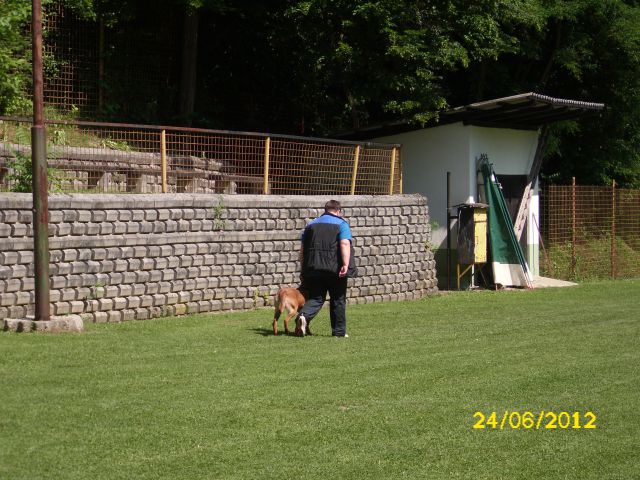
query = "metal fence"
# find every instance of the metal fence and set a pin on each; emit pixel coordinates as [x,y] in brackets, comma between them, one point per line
[73,60]
[590,232]
[92,68]
[108,157]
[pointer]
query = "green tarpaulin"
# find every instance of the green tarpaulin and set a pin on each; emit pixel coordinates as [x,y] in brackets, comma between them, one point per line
[508,262]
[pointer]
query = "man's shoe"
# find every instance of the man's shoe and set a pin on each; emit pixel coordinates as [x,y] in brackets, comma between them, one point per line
[301,326]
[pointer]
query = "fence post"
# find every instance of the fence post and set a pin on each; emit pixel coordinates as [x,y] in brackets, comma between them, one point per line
[574,260]
[163,159]
[354,174]
[267,151]
[393,166]
[613,230]
[400,168]
[39,174]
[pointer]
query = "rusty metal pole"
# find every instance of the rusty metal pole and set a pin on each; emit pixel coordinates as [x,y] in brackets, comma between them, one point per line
[163,160]
[613,231]
[39,173]
[574,260]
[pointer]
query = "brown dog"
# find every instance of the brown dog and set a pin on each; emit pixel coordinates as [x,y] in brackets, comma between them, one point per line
[290,298]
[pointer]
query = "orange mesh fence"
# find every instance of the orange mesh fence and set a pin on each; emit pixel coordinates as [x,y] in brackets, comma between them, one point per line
[590,232]
[71,50]
[107,157]
[94,68]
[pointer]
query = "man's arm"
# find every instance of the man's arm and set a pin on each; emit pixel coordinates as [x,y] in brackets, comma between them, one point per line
[345,253]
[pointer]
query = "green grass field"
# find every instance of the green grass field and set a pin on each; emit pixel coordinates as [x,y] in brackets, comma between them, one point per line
[217,396]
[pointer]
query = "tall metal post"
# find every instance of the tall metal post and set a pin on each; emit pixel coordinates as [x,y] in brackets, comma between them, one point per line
[163,160]
[39,173]
[574,259]
[448,230]
[614,269]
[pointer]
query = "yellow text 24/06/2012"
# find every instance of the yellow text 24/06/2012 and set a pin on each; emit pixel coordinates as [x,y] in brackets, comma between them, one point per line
[547,420]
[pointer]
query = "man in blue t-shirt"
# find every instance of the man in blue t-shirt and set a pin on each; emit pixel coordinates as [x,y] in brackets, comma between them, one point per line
[326,256]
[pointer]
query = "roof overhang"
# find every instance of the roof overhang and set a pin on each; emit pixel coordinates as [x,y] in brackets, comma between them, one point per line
[527,111]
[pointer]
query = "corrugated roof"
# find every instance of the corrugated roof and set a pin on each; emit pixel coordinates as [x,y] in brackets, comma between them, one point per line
[527,111]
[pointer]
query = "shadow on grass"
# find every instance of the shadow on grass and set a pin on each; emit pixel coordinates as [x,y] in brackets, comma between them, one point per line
[268,332]
[264,331]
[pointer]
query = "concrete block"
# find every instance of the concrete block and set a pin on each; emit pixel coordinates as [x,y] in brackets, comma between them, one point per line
[192,308]
[18,230]
[25,216]
[163,214]
[155,276]
[227,304]
[137,215]
[146,227]
[133,227]
[9,258]
[168,274]
[8,216]
[175,213]
[138,289]
[159,299]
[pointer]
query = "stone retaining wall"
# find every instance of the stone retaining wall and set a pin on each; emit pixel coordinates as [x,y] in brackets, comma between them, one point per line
[126,257]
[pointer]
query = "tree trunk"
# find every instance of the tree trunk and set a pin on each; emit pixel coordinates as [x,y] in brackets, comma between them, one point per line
[189,62]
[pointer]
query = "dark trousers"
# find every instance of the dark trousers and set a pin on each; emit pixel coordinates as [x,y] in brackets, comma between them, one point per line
[317,286]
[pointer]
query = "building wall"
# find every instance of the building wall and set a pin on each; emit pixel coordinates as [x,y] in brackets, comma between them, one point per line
[510,151]
[125,257]
[428,154]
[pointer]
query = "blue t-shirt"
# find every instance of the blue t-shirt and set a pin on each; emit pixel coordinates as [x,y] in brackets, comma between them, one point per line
[344,232]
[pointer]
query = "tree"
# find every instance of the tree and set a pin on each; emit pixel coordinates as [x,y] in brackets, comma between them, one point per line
[581,49]
[15,56]
[320,66]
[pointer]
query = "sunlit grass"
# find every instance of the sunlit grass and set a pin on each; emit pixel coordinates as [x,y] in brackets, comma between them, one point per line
[218,396]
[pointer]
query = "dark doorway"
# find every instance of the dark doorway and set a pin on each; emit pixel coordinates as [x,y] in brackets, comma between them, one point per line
[512,188]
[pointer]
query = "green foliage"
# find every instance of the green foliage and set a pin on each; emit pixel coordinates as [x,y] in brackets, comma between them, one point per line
[586,50]
[20,177]
[318,66]
[15,55]
[21,174]
[219,223]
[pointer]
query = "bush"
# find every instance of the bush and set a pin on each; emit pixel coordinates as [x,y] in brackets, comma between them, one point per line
[20,177]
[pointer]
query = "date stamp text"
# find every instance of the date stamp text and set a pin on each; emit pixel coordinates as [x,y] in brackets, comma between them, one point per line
[543,420]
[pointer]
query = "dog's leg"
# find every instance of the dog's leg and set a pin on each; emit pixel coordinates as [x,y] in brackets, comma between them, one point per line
[292,313]
[275,321]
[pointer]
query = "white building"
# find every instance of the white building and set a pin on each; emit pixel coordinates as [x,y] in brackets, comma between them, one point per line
[510,131]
